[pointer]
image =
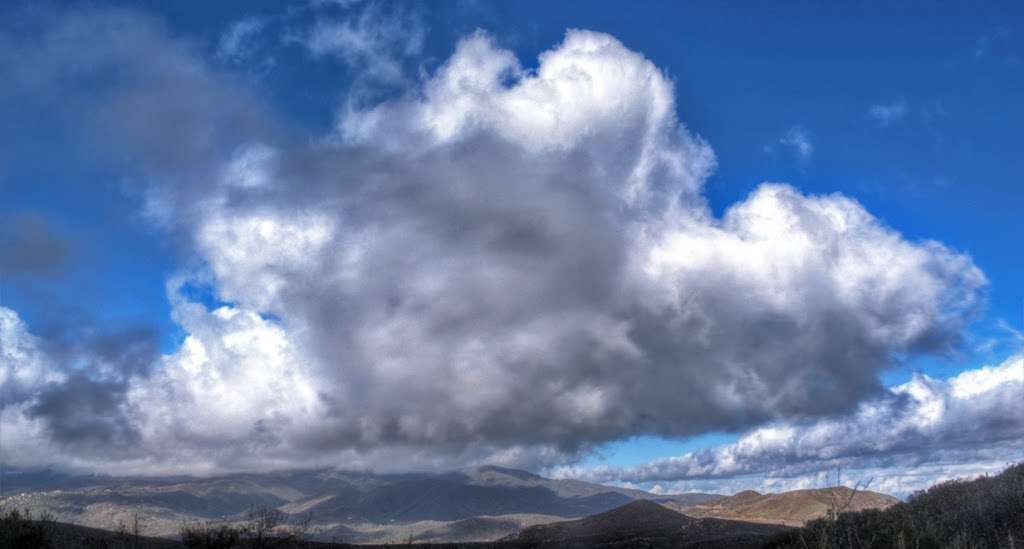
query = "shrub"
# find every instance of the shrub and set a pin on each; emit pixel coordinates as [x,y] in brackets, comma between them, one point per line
[20,529]
[211,536]
[264,528]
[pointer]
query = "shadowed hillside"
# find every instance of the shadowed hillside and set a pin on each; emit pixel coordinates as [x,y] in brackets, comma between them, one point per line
[646,524]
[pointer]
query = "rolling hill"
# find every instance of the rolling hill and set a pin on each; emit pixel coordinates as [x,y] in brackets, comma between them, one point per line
[794,508]
[644,523]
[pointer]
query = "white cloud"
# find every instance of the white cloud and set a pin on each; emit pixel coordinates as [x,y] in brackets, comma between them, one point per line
[590,94]
[503,264]
[799,140]
[24,366]
[888,114]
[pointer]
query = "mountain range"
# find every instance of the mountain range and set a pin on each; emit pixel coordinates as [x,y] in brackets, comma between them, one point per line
[480,504]
[484,503]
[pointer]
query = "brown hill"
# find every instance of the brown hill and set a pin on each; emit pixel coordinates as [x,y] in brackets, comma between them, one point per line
[794,508]
[643,524]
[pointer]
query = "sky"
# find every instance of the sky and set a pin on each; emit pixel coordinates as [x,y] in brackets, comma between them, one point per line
[681,246]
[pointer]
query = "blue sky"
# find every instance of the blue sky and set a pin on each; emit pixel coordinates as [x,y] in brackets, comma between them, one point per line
[912,109]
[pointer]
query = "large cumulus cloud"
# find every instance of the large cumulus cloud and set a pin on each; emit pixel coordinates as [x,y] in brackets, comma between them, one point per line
[504,264]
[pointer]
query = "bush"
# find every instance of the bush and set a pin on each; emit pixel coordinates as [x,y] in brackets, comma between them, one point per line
[20,529]
[264,528]
[211,536]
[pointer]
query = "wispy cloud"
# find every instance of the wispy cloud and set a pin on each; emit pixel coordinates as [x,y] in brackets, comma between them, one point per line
[999,46]
[377,39]
[991,43]
[799,140]
[888,114]
[1005,336]
[237,42]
